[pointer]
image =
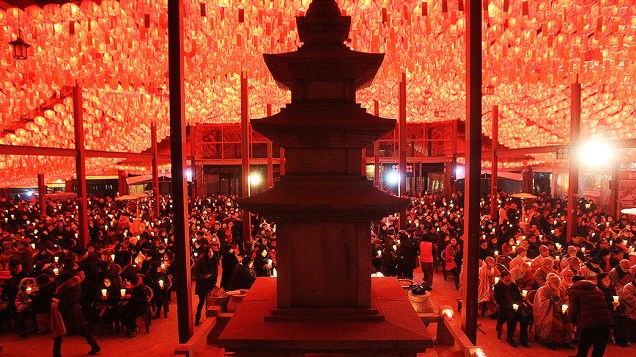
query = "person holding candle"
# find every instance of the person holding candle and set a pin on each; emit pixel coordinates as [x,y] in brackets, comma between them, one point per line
[520,258]
[104,304]
[547,309]
[588,311]
[133,302]
[23,305]
[157,280]
[615,308]
[508,297]
[541,275]
[205,271]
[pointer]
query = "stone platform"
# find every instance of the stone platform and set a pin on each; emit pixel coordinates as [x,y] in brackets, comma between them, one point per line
[253,332]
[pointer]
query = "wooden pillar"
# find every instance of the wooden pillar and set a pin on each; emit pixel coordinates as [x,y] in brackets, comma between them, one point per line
[573,167]
[270,154]
[42,194]
[156,201]
[526,185]
[68,185]
[472,188]
[494,174]
[376,149]
[281,162]
[194,187]
[178,161]
[613,185]
[80,166]
[402,152]
[122,184]
[245,158]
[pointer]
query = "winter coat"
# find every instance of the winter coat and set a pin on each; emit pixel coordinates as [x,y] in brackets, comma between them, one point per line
[628,299]
[69,307]
[202,268]
[587,307]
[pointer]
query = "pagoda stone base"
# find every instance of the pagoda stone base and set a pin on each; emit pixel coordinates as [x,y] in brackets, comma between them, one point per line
[256,330]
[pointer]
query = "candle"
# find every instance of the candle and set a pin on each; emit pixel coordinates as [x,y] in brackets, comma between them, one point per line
[122,292]
[161,283]
[515,307]
[524,292]
[104,292]
[564,308]
[56,271]
[583,249]
[615,297]
[394,247]
[32,245]
[557,258]
[496,279]
[514,248]
[112,257]
[496,252]
[29,289]
[379,252]
[56,259]
[558,245]
[448,313]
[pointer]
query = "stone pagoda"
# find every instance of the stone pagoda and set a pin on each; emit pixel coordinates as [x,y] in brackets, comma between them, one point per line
[324,300]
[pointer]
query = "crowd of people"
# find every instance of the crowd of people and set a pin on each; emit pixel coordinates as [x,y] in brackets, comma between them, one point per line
[569,287]
[48,282]
[533,273]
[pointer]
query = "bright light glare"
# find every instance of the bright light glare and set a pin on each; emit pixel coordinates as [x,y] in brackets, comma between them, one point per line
[255,179]
[459,171]
[189,174]
[595,153]
[393,178]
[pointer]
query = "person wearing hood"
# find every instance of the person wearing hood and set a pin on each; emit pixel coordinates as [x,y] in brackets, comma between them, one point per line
[591,269]
[588,311]
[622,274]
[551,327]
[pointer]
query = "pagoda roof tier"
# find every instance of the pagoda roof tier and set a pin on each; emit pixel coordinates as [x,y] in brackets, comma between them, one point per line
[302,198]
[340,125]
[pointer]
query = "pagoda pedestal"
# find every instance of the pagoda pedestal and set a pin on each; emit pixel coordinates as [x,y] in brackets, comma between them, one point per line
[324,300]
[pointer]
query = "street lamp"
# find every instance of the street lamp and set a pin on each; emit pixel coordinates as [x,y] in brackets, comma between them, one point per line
[253,179]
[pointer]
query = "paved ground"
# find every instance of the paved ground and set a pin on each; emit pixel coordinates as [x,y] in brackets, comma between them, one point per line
[163,337]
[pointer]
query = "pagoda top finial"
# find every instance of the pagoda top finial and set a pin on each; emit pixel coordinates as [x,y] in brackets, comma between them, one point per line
[323,24]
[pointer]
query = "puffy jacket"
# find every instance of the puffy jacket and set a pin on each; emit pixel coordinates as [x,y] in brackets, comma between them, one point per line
[587,306]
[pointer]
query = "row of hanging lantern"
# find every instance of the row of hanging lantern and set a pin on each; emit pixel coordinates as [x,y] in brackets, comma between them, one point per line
[117,52]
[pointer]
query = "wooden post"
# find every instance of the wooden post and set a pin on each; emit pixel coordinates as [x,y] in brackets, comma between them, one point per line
[472,188]
[155,170]
[270,154]
[494,174]
[376,149]
[245,158]
[42,194]
[573,167]
[80,166]
[402,150]
[194,186]
[177,157]
[281,162]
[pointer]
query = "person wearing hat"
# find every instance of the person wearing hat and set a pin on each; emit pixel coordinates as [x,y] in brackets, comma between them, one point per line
[541,275]
[511,311]
[622,274]
[550,326]
[544,252]
[520,258]
[591,269]
[588,311]
[571,252]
